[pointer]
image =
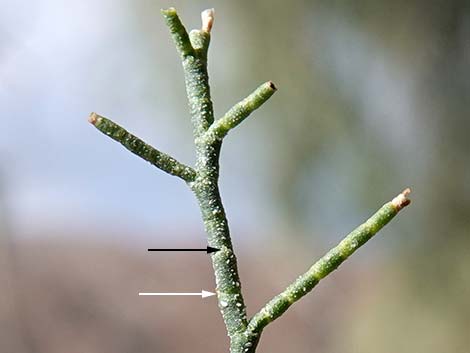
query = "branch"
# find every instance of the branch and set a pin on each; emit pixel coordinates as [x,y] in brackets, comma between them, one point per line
[327,264]
[140,148]
[178,32]
[244,335]
[241,111]
[206,189]
[195,67]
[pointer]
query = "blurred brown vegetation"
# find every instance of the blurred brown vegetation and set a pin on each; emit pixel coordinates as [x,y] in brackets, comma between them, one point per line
[82,297]
[65,296]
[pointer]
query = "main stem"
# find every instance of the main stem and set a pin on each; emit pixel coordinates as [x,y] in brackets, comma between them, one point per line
[205,186]
[228,287]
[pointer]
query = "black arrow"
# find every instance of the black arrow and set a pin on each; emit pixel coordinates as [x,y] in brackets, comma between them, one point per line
[208,249]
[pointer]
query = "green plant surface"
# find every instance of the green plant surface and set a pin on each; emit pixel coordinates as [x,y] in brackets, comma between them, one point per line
[203,180]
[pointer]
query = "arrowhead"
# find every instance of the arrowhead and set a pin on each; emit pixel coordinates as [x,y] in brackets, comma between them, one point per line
[210,249]
[205,294]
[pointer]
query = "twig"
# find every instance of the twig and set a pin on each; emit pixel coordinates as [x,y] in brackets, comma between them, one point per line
[195,70]
[140,148]
[240,111]
[327,264]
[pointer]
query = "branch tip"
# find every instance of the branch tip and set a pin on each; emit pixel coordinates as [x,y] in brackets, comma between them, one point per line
[272,85]
[207,17]
[170,10]
[402,199]
[93,118]
[328,263]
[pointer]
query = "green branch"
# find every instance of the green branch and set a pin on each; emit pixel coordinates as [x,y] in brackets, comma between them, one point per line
[205,186]
[240,111]
[327,264]
[203,181]
[140,148]
[178,32]
[194,66]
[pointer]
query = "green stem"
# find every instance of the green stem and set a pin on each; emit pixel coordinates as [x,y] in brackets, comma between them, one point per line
[205,186]
[228,287]
[178,32]
[143,150]
[327,264]
[195,71]
[240,111]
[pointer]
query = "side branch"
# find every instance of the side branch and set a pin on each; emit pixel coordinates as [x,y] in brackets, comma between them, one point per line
[143,150]
[241,111]
[178,32]
[328,263]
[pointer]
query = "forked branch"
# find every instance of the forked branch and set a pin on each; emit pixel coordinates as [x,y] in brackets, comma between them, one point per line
[178,32]
[203,181]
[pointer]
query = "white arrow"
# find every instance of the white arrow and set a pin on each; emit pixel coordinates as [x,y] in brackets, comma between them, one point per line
[203,294]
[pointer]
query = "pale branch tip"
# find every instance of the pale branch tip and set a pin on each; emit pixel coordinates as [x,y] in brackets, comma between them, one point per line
[328,263]
[207,17]
[93,118]
[159,159]
[402,199]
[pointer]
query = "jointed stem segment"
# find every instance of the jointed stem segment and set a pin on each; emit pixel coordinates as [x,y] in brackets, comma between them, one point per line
[137,146]
[178,32]
[328,263]
[240,111]
[205,187]
[203,181]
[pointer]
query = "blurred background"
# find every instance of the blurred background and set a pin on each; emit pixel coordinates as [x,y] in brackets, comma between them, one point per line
[373,97]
